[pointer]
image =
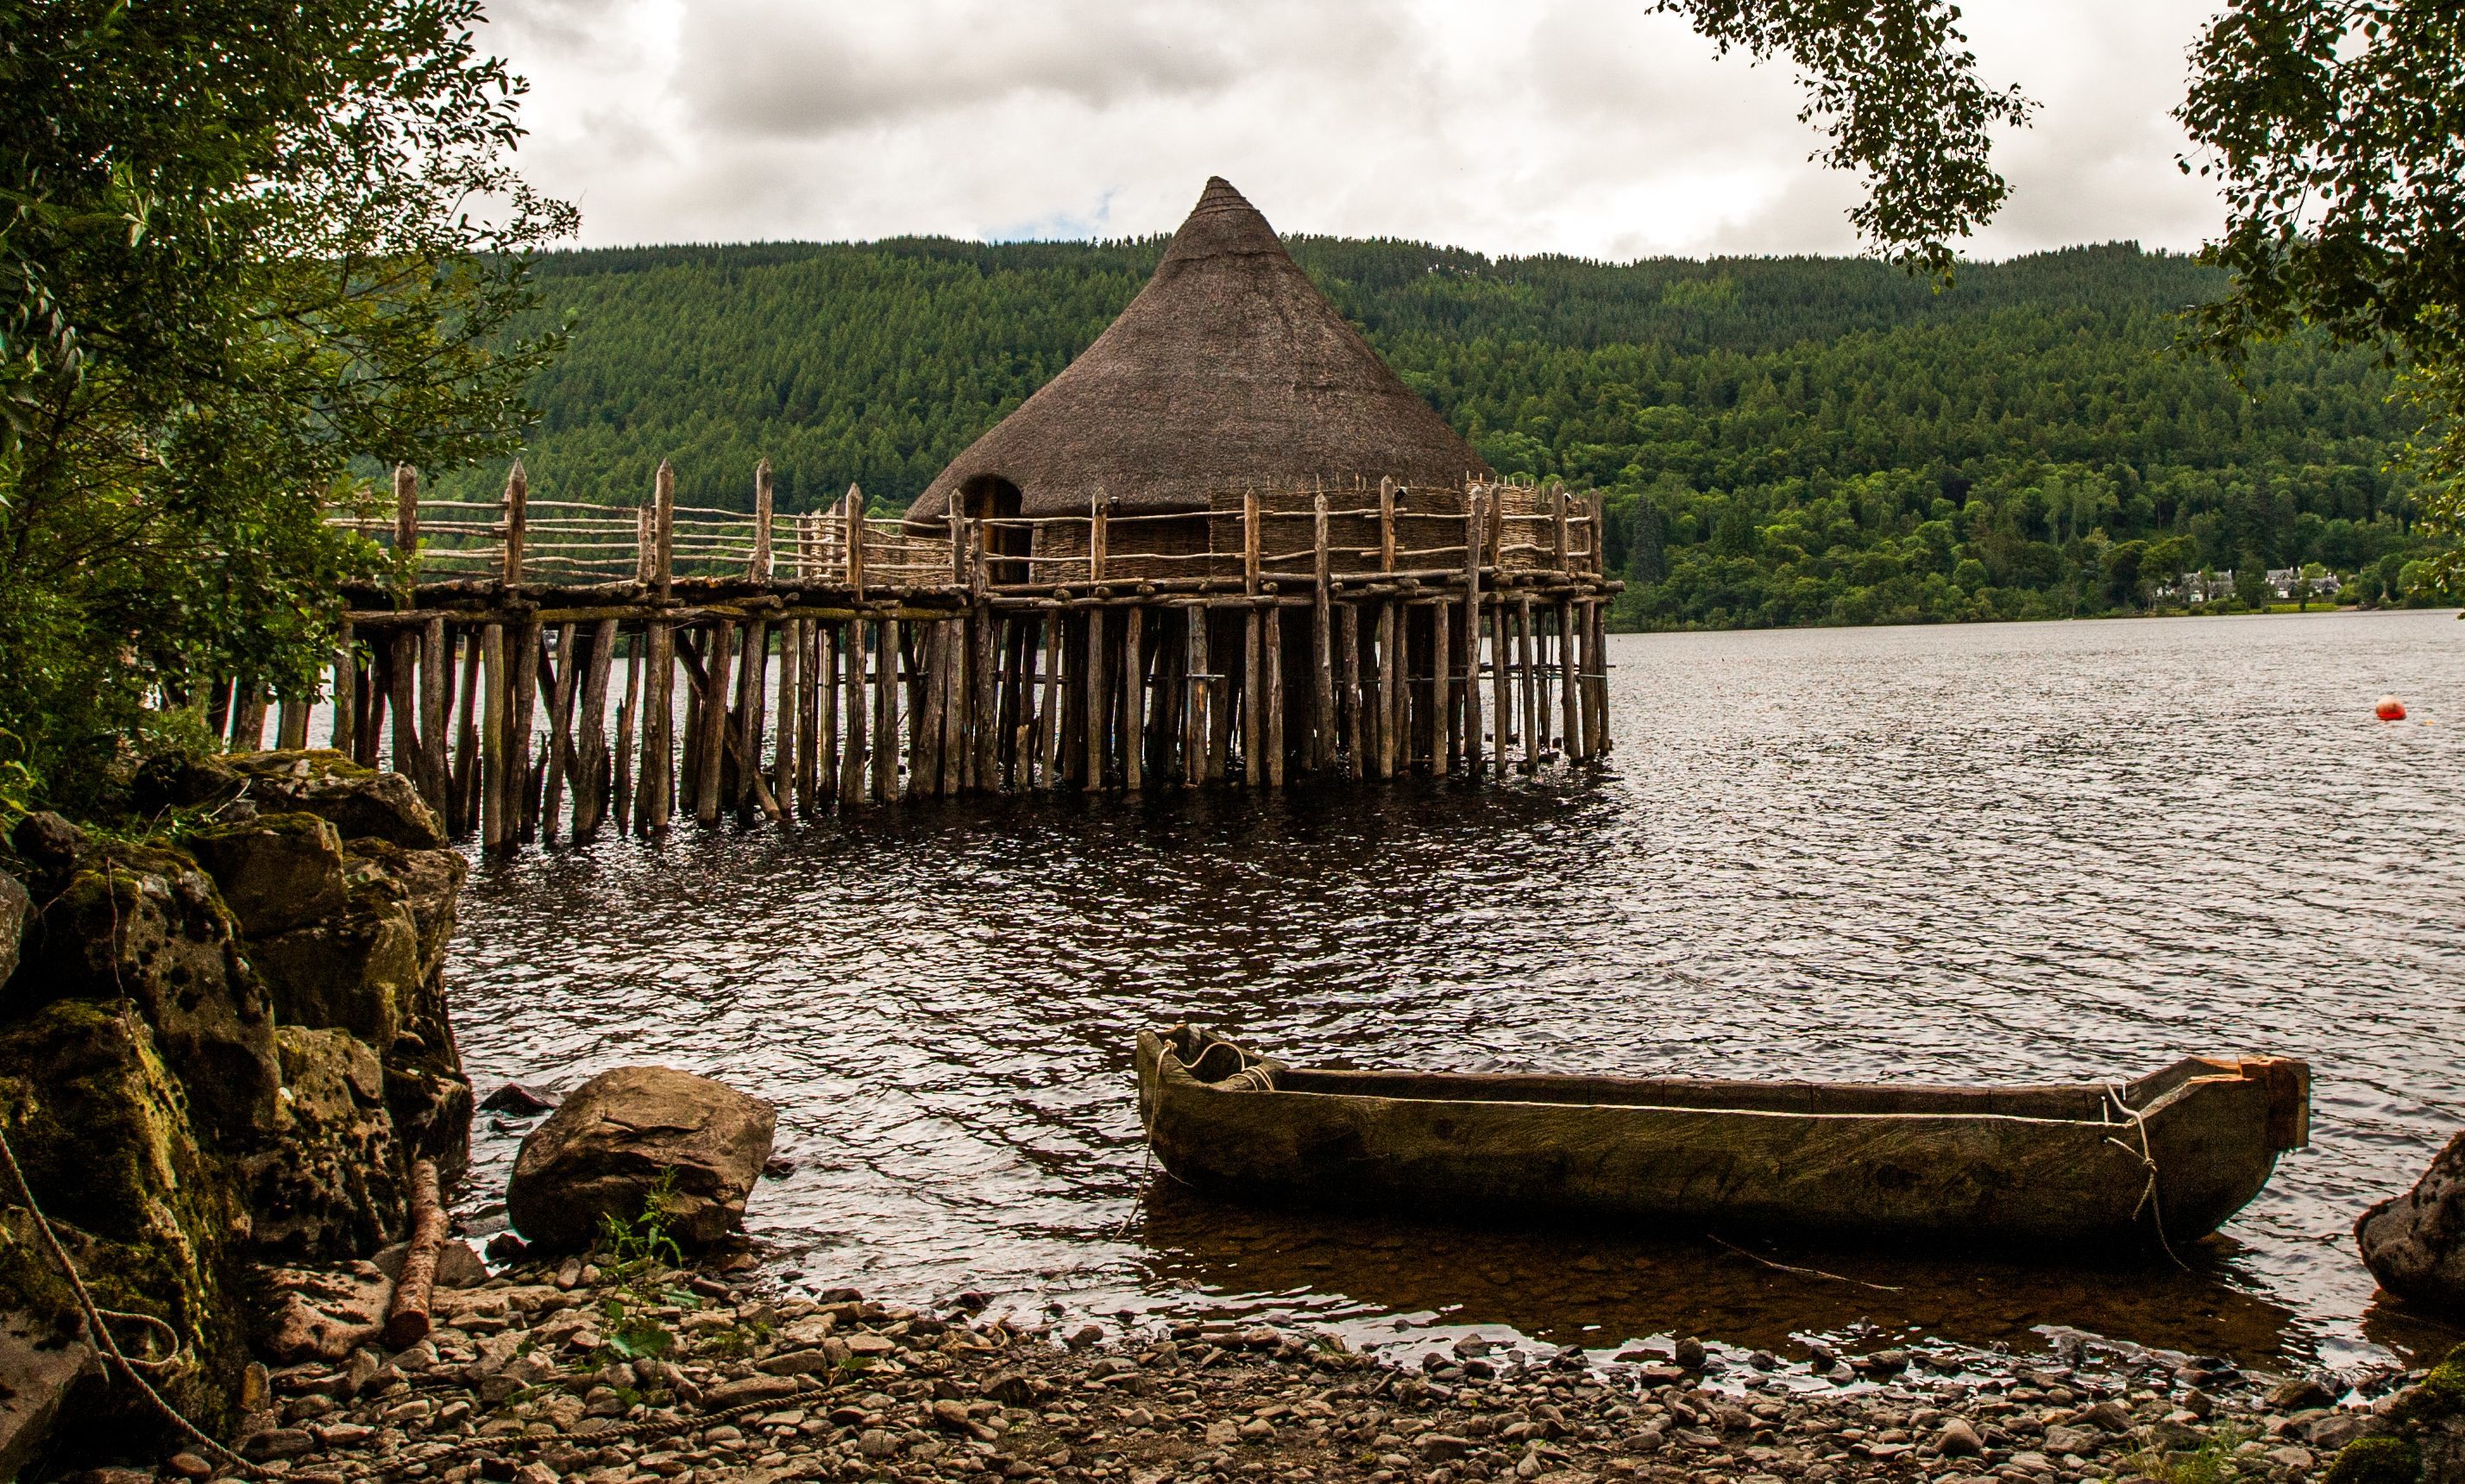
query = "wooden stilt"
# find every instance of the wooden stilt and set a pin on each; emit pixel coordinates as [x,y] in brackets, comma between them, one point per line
[1221,697]
[933,650]
[402,674]
[590,789]
[1098,712]
[830,645]
[494,831]
[1348,656]
[435,659]
[1253,701]
[1272,651]
[710,741]
[1502,689]
[1048,731]
[1570,704]
[1194,684]
[1390,691]
[561,758]
[1134,671]
[753,700]
[855,765]
[1475,503]
[521,681]
[291,723]
[1322,720]
[791,709]
[629,708]
[470,771]
[885,719]
[659,776]
[1445,746]
[346,686]
[1528,670]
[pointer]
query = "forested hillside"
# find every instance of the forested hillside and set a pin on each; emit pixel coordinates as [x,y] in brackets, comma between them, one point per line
[1785,440]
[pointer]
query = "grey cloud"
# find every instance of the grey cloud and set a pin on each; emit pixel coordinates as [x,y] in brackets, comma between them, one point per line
[790,71]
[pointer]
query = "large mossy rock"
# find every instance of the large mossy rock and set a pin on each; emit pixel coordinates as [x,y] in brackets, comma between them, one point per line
[361,802]
[2414,1244]
[147,924]
[333,1186]
[628,1136]
[274,872]
[104,1132]
[2422,1436]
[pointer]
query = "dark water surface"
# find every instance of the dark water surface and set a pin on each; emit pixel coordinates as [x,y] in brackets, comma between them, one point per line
[2051,852]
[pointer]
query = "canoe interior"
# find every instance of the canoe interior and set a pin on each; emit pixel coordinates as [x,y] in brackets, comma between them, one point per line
[1218,1060]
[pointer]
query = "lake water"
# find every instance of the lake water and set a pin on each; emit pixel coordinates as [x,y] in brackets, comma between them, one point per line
[1995,852]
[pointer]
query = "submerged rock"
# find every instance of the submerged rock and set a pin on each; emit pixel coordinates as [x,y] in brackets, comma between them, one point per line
[2414,1244]
[606,1149]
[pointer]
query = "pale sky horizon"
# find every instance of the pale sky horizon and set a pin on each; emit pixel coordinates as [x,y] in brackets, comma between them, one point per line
[1585,127]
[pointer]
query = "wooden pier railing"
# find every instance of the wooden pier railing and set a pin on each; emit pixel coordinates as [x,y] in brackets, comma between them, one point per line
[544,668]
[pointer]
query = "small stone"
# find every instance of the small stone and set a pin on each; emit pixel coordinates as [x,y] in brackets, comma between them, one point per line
[279,1443]
[2061,1440]
[2301,1394]
[876,1443]
[1959,1440]
[189,1466]
[534,1473]
[1223,1432]
[1442,1447]
[2199,1404]
[1690,1354]
[519,1099]
[1084,1336]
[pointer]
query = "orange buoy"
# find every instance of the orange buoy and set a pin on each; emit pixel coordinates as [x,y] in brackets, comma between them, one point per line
[2391,709]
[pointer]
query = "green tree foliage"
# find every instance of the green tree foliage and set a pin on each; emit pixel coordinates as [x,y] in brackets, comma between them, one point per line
[1893,86]
[240,244]
[1782,440]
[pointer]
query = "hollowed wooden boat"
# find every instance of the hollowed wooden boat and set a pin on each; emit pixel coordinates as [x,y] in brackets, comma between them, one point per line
[2165,1159]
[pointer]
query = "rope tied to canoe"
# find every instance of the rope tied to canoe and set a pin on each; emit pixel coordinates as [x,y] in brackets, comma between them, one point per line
[2147,1158]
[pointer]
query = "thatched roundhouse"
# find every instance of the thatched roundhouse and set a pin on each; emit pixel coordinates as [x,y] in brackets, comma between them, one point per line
[1229,372]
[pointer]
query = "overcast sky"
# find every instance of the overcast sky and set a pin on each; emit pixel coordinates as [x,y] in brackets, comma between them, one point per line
[1512,126]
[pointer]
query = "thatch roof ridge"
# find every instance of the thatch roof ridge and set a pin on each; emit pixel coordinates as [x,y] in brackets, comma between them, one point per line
[1228,368]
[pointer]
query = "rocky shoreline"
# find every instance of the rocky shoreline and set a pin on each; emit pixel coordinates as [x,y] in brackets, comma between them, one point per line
[652,1375]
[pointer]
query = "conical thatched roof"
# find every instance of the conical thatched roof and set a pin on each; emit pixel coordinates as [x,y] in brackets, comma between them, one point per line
[1228,368]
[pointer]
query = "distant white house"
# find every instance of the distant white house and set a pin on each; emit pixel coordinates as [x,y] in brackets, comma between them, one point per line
[2193,589]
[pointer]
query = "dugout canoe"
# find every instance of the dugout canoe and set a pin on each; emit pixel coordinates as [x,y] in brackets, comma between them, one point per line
[2167,1158]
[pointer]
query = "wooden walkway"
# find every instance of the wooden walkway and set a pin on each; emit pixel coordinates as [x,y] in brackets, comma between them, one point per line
[546,668]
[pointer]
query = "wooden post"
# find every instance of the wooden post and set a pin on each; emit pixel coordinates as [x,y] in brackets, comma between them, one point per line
[658,777]
[1501,689]
[852,514]
[1094,712]
[590,790]
[1193,742]
[433,652]
[985,653]
[1570,703]
[1221,712]
[1249,541]
[1387,525]
[291,723]
[1048,733]
[1253,701]
[760,568]
[711,744]
[1527,663]
[494,834]
[1445,745]
[957,685]
[628,710]
[645,556]
[1475,502]
[1272,648]
[1134,671]
[753,703]
[406,531]
[518,507]
[560,735]
[368,691]
[470,771]
[1322,748]
[346,674]
[793,708]
[522,679]
[247,719]
[856,765]
[402,673]
[885,716]
[1347,659]
[1558,525]
[822,760]
[933,663]
[1390,693]
[663,544]
[1098,535]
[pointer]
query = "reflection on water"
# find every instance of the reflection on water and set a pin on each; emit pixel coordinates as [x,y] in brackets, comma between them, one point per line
[2056,851]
